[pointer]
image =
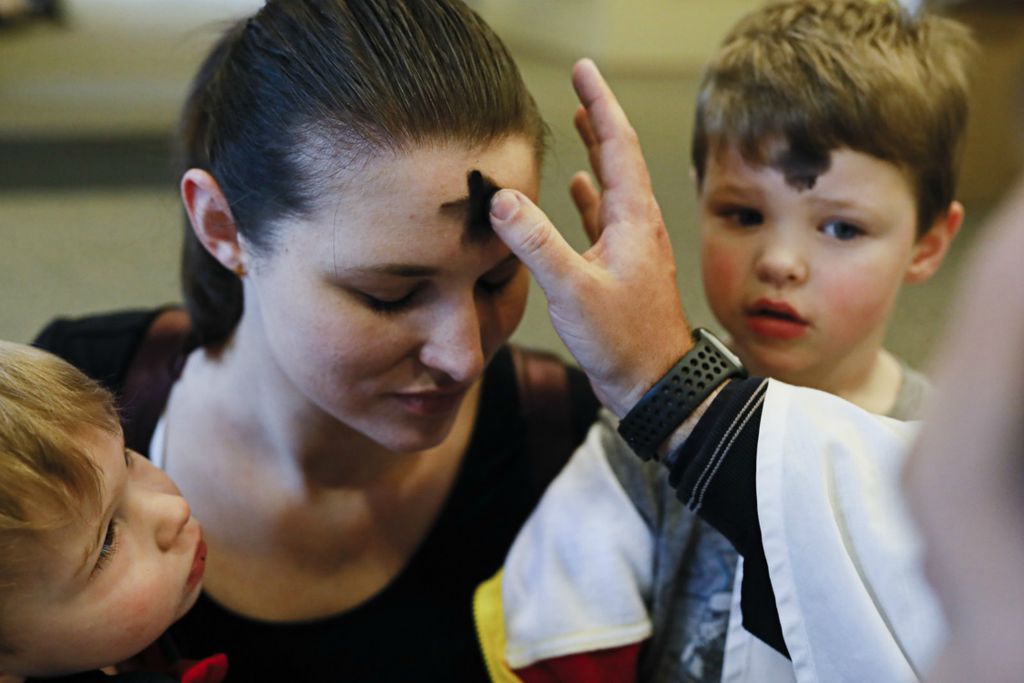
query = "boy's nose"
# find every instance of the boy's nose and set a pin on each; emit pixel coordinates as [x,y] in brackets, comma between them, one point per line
[781,266]
[172,514]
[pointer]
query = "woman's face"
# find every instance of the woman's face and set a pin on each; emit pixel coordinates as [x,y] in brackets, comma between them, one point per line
[382,309]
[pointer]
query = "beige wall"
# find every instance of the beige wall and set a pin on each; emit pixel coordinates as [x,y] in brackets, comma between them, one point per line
[117,70]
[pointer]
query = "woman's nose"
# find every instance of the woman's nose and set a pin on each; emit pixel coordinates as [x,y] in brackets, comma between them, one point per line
[455,344]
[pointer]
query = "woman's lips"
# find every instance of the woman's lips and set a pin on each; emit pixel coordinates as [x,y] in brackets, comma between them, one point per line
[431,403]
[775,320]
[198,564]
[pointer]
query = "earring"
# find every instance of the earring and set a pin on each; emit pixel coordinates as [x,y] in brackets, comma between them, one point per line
[240,270]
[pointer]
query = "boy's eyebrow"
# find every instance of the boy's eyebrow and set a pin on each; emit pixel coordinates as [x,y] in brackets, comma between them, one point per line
[732,187]
[857,205]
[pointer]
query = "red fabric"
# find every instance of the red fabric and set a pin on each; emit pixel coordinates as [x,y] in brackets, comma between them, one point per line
[616,664]
[210,670]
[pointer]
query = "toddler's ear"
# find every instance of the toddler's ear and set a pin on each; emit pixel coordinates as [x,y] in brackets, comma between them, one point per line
[211,218]
[932,247]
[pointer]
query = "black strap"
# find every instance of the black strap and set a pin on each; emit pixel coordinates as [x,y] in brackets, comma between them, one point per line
[152,372]
[546,406]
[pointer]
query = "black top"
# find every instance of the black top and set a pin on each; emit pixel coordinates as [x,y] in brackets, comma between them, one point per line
[418,628]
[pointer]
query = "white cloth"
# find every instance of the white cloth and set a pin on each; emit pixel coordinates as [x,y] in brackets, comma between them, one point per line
[843,556]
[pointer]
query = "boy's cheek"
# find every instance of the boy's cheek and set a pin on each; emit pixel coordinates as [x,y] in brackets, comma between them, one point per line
[857,305]
[722,270]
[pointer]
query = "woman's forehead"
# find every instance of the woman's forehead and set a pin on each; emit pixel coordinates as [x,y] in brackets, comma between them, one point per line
[398,201]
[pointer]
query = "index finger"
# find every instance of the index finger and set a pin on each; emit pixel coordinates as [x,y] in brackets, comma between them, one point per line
[623,168]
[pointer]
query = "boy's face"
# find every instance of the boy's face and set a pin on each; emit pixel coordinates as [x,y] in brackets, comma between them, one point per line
[804,279]
[102,589]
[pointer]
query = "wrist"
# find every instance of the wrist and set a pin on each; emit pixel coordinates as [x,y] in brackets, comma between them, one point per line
[689,385]
[624,401]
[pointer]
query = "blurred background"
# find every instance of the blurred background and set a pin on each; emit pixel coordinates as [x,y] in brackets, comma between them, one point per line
[90,90]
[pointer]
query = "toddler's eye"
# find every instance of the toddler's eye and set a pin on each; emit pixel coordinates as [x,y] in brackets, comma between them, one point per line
[108,548]
[841,230]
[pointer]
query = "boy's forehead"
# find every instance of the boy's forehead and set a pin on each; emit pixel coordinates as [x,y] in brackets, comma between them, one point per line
[801,164]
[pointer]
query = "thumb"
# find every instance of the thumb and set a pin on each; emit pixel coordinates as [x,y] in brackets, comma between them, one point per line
[528,232]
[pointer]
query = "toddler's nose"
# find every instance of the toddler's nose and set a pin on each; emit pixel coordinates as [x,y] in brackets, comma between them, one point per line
[173,514]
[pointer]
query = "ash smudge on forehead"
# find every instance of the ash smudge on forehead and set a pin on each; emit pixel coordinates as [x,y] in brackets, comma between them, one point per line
[802,164]
[478,217]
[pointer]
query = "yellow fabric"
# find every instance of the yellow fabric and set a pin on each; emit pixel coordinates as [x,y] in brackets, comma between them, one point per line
[489,614]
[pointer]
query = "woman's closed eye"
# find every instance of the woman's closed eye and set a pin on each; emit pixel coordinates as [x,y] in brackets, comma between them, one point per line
[495,282]
[385,305]
[841,230]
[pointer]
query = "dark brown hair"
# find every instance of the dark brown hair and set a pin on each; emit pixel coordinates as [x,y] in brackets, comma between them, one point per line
[819,75]
[305,87]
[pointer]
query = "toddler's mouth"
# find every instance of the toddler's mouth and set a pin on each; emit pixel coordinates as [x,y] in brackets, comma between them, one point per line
[777,310]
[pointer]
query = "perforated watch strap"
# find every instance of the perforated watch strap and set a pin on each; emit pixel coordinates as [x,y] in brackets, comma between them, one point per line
[671,400]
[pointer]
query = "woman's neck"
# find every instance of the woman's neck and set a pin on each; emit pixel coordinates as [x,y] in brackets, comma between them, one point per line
[266,418]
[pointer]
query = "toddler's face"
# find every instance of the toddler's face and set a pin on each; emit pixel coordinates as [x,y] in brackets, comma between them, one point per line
[804,279]
[102,589]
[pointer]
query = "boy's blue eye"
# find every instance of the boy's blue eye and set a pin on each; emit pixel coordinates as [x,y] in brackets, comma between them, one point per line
[841,230]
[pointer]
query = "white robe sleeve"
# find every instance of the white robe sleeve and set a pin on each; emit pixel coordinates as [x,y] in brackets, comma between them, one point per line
[843,556]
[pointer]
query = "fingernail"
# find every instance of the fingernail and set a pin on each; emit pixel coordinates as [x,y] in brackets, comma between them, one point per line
[504,205]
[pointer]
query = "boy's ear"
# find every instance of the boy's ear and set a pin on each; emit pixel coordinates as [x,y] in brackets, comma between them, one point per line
[932,247]
[694,180]
[211,218]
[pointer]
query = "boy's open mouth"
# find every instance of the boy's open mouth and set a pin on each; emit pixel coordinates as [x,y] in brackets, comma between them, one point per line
[776,310]
[775,320]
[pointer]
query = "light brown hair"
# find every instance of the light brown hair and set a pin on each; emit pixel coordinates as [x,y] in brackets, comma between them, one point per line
[820,75]
[46,479]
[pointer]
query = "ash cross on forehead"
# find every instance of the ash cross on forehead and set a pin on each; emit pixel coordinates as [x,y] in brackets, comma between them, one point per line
[476,207]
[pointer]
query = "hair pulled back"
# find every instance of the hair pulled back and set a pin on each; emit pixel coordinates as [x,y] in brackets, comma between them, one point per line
[291,95]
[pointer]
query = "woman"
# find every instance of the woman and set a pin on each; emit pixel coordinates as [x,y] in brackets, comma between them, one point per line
[348,428]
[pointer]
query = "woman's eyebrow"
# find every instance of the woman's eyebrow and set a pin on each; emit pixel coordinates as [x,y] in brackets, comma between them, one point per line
[397,269]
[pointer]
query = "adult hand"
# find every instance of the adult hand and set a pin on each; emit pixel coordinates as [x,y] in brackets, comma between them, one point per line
[615,306]
[964,478]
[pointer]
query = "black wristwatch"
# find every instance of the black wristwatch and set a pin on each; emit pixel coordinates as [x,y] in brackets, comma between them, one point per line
[671,400]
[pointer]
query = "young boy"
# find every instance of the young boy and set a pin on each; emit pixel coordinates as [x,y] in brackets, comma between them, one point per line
[824,154]
[825,149]
[99,553]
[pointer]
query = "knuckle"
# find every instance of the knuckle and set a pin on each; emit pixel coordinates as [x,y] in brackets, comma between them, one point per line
[536,237]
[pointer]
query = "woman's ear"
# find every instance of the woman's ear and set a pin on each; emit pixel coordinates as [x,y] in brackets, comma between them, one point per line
[931,248]
[211,218]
